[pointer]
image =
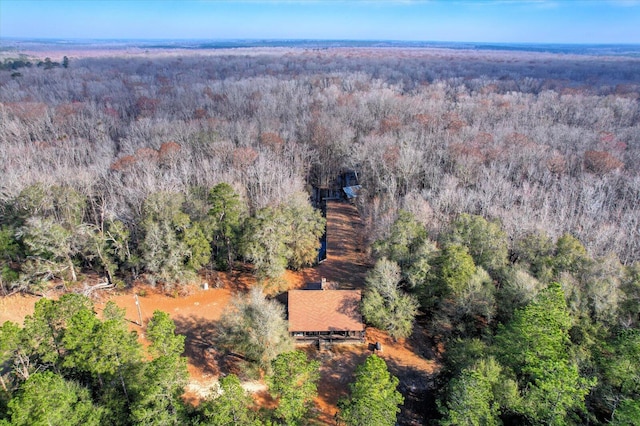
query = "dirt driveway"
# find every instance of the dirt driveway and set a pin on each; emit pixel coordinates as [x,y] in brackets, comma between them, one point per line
[346,262]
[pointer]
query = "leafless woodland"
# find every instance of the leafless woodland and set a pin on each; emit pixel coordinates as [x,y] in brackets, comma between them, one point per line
[539,141]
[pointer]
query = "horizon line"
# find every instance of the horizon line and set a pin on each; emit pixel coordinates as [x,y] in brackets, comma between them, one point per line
[324,40]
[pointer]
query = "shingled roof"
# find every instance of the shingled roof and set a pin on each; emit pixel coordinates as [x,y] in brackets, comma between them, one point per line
[324,310]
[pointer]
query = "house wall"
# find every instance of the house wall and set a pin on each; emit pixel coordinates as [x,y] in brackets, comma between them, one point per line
[329,335]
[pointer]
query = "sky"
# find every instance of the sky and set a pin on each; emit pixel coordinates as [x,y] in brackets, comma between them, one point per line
[503,21]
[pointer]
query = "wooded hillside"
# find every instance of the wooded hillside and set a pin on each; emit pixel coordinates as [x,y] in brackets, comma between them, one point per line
[500,200]
[538,141]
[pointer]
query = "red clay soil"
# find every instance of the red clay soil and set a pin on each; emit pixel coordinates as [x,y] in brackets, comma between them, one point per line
[17,306]
[195,315]
[192,314]
[402,353]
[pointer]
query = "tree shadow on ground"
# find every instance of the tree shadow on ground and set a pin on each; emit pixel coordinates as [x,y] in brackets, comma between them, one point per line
[416,385]
[414,362]
[418,390]
[337,369]
[336,372]
[421,341]
[201,348]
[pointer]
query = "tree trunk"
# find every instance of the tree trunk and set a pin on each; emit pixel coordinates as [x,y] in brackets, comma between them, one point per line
[74,278]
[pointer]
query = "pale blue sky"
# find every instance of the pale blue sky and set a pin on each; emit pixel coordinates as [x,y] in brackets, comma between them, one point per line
[536,21]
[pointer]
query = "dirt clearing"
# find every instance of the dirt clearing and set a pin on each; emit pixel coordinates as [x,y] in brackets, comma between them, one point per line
[16,307]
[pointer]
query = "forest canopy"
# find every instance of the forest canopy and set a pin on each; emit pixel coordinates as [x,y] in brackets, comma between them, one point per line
[542,143]
[499,199]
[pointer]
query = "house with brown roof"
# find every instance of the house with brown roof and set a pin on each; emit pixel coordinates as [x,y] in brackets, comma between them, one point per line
[332,315]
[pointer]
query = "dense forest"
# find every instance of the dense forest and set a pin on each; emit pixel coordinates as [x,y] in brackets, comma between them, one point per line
[500,200]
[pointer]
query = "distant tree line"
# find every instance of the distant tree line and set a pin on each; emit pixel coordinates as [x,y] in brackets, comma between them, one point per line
[16,63]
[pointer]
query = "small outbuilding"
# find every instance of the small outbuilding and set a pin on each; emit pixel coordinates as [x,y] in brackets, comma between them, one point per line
[351,192]
[332,315]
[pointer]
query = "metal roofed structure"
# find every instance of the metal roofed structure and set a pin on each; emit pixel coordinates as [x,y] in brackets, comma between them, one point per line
[352,191]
